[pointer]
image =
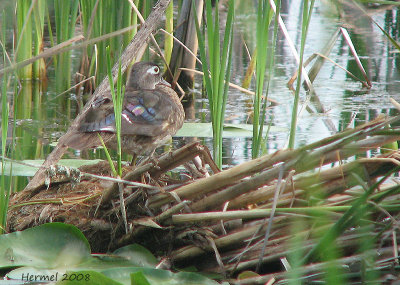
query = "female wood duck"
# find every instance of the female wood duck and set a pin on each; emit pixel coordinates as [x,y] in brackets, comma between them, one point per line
[151,114]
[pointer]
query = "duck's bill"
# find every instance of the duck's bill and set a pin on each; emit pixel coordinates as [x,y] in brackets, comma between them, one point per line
[163,81]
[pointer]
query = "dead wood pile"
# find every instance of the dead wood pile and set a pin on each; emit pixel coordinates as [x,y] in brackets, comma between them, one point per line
[219,223]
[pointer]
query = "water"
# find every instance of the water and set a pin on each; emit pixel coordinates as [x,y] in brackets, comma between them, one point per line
[343,98]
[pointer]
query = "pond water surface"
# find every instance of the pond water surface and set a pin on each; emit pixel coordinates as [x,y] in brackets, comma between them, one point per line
[346,101]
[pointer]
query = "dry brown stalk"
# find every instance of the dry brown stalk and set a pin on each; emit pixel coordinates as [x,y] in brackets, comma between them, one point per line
[140,39]
[235,238]
[300,160]
[225,178]
[138,231]
[327,182]
[165,163]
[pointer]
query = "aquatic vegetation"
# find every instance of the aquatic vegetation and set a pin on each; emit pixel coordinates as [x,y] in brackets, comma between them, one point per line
[307,12]
[317,208]
[216,70]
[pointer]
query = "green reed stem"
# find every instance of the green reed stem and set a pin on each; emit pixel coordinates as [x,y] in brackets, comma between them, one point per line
[262,36]
[24,35]
[118,98]
[50,31]
[264,51]
[4,193]
[169,27]
[39,10]
[350,218]
[216,70]
[109,159]
[66,13]
[307,11]
[134,18]
[105,18]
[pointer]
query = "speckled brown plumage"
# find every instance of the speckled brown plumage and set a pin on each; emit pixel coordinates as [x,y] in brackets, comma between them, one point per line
[152,113]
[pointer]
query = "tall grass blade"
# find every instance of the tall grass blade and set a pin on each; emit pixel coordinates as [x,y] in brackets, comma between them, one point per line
[108,156]
[66,13]
[24,36]
[4,192]
[307,11]
[101,18]
[216,69]
[39,9]
[263,20]
[118,98]
[350,218]
[169,27]
[265,52]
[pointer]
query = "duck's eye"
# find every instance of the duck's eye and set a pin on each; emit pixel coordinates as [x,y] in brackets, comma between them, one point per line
[154,70]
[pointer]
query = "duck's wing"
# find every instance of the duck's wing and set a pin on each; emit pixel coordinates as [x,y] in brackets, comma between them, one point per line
[144,112]
[99,118]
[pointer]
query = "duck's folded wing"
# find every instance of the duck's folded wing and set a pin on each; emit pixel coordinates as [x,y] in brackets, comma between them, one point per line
[99,118]
[144,112]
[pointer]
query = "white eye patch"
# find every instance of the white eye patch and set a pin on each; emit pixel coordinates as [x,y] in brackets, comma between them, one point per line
[153,70]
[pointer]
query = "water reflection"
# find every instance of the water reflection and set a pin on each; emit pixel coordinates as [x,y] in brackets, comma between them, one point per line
[341,96]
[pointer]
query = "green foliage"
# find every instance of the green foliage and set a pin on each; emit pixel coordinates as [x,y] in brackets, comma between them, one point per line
[66,13]
[169,27]
[5,109]
[28,167]
[100,18]
[118,99]
[62,251]
[351,217]
[24,37]
[4,193]
[216,70]
[307,12]
[139,278]
[262,37]
[265,51]
[46,246]
[39,10]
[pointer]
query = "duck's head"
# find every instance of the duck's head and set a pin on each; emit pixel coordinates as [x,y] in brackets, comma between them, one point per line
[145,75]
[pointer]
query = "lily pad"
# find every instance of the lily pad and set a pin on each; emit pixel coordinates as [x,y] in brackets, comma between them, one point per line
[47,246]
[230,130]
[60,253]
[158,276]
[29,167]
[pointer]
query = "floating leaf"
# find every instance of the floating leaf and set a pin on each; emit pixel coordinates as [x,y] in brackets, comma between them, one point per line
[29,167]
[56,251]
[47,246]
[230,130]
[158,276]
[138,255]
